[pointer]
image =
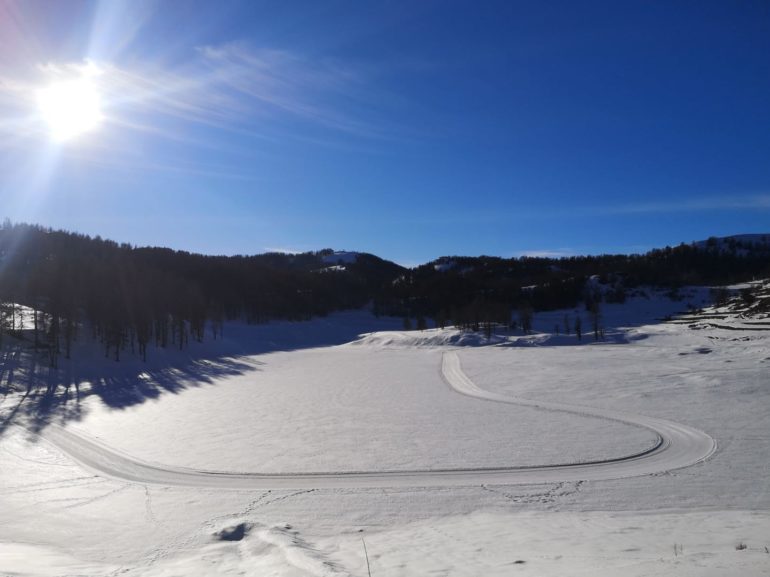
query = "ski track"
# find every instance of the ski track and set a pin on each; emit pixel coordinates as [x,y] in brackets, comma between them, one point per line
[678,446]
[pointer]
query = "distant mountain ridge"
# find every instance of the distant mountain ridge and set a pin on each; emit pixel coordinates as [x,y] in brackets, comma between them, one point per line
[744,242]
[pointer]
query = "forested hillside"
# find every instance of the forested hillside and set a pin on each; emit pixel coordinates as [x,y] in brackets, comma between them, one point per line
[73,286]
[63,286]
[466,290]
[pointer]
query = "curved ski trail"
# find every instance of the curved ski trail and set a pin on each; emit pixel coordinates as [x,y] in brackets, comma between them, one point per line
[679,446]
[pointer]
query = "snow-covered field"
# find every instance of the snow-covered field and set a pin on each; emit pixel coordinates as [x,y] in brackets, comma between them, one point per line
[236,457]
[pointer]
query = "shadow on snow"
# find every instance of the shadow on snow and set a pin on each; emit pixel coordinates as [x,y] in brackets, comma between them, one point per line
[33,395]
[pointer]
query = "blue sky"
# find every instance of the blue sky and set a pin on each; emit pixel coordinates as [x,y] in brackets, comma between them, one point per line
[407,129]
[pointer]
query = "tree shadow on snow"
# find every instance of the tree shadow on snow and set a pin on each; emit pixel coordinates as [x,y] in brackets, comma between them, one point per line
[38,395]
[33,395]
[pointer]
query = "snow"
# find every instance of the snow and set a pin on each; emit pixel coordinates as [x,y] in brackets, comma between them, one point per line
[340,257]
[388,411]
[352,393]
[444,266]
[335,268]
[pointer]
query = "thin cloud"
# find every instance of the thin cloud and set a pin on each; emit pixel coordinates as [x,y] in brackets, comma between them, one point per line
[546,253]
[11,87]
[739,202]
[134,165]
[233,87]
[285,81]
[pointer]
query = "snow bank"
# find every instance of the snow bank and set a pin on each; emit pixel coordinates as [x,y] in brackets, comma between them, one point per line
[426,339]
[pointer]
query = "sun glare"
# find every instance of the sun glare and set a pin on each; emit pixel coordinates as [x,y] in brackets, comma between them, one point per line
[70,107]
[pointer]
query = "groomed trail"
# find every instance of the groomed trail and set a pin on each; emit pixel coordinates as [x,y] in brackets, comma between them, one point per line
[678,446]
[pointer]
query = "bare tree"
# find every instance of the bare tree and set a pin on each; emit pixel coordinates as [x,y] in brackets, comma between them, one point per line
[579,328]
[525,317]
[596,318]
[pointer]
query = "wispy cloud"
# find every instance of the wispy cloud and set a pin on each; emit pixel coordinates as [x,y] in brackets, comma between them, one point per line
[133,165]
[234,87]
[708,203]
[287,82]
[546,253]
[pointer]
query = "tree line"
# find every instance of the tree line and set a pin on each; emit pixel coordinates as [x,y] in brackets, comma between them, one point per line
[64,286]
[472,291]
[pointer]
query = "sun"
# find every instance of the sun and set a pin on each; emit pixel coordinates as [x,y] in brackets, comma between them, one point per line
[70,107]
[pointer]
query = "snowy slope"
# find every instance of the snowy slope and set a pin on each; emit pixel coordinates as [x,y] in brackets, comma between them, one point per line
[291,397]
